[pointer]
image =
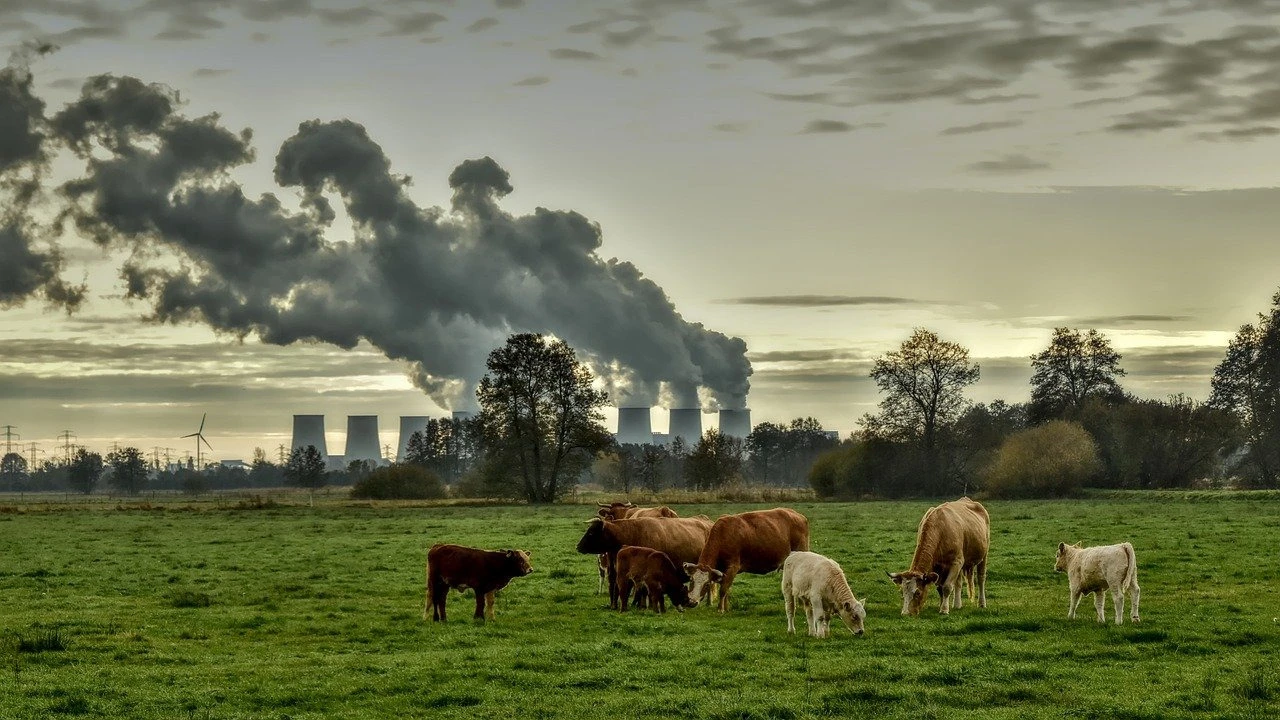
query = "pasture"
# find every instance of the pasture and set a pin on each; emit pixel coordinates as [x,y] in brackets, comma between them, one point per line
[297,612]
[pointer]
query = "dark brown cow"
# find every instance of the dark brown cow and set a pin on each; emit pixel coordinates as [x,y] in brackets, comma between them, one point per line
[951,548]
[462,568]
[655,573]
[752,542]
[622,511]
[680,538]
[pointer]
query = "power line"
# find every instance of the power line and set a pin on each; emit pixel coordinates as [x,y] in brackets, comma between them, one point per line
[33,448]
[9,437]
[66,437]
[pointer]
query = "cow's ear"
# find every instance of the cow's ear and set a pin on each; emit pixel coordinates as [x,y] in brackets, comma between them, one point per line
[895,577]
[930,578]
[716,575]
[690,567]
[630,504]
[1062,546]
[603,505]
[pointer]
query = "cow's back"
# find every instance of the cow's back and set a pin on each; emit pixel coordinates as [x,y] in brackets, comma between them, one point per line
[680,538]
[757,541]
[452,563]
[952,530]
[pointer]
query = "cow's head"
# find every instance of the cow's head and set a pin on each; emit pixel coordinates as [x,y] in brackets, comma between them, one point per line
[853,614]
[701,577]
[915,589]
[518,562]
[1065,552]
[614,511]
[597,539]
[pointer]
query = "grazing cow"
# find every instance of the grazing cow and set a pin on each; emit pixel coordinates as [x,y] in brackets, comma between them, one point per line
[951,550]
[655,573]
[623,511]
[484,571]
[680,538]
[1096,570]
[818,584]
[752,542]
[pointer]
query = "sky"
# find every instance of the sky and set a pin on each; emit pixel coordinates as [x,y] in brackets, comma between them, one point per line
[789,188]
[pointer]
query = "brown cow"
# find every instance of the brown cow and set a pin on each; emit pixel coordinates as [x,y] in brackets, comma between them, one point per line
[622,511]
[951,550]
[680,538]
[655,573]
[754,542]
[458,567]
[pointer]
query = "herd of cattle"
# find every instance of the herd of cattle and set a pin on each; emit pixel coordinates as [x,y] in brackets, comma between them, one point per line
[649,555]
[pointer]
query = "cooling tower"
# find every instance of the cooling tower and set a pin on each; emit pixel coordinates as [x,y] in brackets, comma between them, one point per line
[686,423]
[735,423]
[633,426]
[409,424]
[309,430]
[362,439]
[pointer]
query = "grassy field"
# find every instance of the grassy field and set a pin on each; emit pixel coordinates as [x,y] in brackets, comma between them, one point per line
[296,612]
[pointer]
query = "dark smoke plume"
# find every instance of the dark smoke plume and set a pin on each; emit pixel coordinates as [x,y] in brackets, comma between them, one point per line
[437,288]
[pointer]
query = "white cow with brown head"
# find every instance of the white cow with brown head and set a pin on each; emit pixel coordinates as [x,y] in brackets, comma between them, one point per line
[1097,570]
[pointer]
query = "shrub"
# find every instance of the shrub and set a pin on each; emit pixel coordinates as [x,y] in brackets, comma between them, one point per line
[1052,460]
[399,482]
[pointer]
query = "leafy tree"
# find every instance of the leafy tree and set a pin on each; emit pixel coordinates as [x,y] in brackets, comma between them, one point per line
[765,446]
[923,384]
[305,468]
[13,471]
[1174,443]
[978,434]
[1247,384]
[541,416]
[1051,460]
[263,472]
[192,482]
[84,470]
[1075,367]
[128,470]
[652,467]
[399,482]
[446,446]
[714,462]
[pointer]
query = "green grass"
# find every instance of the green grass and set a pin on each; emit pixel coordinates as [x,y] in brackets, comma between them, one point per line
[279,611]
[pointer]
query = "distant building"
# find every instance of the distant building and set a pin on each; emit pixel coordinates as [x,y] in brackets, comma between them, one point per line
[235,465]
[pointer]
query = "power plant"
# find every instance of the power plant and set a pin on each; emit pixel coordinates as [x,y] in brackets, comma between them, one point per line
[735,423]
[362,439]
[409,424]
[686,423]
[634,426]
[309,430]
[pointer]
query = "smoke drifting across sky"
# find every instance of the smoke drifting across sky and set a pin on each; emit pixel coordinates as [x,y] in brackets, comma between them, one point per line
[436,287]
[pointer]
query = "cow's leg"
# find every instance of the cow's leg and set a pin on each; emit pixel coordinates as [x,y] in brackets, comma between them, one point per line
[1099,603]
[655,591]
[479,605]
[980,574]
[488,603]
[623,591]
[947,586]
[1076,597]
[1135,592]
[613,578]
[789,604]
[808,615]
[438,593]
[819,615]
[1117,600]
[725,583]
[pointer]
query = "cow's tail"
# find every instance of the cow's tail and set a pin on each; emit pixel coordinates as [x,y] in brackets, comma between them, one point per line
[1131,572]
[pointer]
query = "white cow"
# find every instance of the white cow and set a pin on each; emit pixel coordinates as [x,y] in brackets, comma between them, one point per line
[818,584]
[1096,570]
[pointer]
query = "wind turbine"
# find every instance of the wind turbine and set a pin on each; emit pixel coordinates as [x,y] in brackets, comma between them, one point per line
[199,436]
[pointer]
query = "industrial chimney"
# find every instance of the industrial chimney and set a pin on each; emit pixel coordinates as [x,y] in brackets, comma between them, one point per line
[686,423]
[409,424]
[634,427]
[309,430]
[735,423]
[362,439]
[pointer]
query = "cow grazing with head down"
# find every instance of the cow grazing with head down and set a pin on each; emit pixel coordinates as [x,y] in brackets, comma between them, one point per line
[752,542]
[1096,570]
[951,550]
[817,584]
[653,572]
[623,511]
[680,538]
[484,571]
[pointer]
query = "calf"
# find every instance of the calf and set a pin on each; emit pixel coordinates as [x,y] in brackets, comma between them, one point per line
[818,584]
[680,538]
[484,571]
[1096,570]
[654,572]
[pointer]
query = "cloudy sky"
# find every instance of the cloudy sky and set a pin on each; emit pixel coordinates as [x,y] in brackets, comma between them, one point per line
[813,177]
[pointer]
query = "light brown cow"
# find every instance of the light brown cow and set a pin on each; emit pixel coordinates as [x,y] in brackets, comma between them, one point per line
[652,572]
[680,538]
[623,511]
[752,542]
[951,550]
[1096,570]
